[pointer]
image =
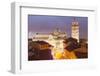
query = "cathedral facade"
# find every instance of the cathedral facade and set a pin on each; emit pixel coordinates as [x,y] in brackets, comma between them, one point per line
[55,38]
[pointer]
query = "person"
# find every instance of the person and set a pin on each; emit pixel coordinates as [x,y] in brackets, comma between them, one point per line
[69,45]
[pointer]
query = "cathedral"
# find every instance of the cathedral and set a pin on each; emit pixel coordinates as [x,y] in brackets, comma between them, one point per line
[57,34]
[57,37]
[54,38]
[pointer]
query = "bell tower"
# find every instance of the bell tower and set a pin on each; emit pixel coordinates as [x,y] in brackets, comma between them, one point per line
[75,30]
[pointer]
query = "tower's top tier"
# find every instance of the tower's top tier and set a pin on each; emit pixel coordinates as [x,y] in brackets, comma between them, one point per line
[75,23]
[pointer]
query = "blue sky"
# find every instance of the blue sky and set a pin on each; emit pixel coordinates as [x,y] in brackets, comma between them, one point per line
[47,23]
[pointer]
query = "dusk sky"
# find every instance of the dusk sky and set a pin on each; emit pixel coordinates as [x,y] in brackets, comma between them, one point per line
[47,24]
